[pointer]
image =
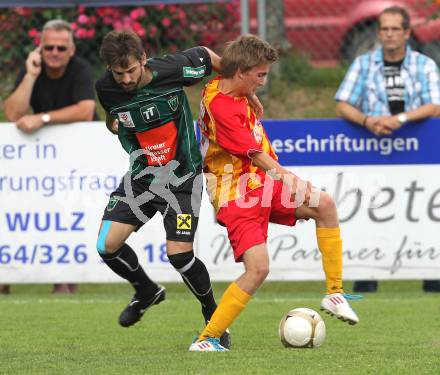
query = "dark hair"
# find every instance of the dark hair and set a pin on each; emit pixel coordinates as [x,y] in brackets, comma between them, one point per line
[118,46]
[245,53]
[406,21]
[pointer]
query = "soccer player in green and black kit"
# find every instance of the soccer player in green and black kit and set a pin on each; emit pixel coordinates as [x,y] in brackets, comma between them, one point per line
[148,110]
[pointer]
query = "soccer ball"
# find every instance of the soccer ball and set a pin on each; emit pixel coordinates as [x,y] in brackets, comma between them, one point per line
[302,328]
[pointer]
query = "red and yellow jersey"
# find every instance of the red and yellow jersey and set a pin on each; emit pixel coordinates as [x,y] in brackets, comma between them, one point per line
[231,133]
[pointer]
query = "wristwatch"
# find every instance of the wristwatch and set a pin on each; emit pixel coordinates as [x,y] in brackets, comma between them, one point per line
[45,118]
[402,117]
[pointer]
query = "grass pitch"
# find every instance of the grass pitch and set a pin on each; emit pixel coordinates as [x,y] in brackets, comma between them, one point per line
[42,333]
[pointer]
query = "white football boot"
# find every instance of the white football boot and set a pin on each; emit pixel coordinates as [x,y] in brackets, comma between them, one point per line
[336,304]
[210,344]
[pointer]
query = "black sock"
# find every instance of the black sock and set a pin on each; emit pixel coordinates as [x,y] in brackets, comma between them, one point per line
[124,262]
[196,277]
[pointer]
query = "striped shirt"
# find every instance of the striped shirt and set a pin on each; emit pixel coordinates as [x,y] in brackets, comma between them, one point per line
[364,84]
[231,133]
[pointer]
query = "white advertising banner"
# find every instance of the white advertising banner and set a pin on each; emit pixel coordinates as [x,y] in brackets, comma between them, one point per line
[386,224]
[55,184]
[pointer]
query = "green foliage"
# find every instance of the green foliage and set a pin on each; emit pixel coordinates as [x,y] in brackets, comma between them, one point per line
[161,27]
[79,334]
[296,69]
[302,91]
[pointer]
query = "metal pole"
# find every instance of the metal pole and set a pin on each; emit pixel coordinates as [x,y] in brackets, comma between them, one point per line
[261,16]
[244,11]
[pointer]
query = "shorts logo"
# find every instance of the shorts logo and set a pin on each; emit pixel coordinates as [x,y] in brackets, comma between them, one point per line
[126,119]
[112,203]
[150,112]
[190,72]
[173,103]
[184,221]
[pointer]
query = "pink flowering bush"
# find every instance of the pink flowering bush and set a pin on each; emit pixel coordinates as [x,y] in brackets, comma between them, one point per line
[163,28]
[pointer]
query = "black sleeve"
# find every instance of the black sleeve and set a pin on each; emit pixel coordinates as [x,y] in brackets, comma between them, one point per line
[109,93]
[186,68]
[201,62]
[101,95]
[83,86]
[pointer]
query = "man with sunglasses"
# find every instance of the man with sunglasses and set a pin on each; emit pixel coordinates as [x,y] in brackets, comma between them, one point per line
[388,87]
[57,84]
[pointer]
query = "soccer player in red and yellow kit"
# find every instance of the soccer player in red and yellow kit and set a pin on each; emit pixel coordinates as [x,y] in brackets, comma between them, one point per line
[249,188]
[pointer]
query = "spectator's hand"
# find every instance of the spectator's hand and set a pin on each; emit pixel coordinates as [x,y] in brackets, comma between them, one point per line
[394,123]
[388,124]
[378,125]
[372,124]
[256,105]
[29,123]
[33,62]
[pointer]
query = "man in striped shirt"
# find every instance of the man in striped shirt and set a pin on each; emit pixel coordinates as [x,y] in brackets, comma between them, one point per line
[391,85]
[388,87]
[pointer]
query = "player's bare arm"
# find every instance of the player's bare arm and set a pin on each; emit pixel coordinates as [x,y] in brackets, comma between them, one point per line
[215,59]
[111,123]
[278,172]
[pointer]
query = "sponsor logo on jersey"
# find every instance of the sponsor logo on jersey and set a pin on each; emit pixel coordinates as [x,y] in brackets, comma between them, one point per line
[159,143]
[173,103]
[126,119]
[190,72]
[184,222]
[258,132]
[150,112]
[113,201]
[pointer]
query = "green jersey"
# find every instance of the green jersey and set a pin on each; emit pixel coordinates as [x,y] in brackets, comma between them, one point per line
[155,121]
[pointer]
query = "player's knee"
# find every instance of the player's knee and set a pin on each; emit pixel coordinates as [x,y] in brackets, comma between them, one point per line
[326,206]
[181,261]
[260,273]
[101,247]
[104,244]
[107,247]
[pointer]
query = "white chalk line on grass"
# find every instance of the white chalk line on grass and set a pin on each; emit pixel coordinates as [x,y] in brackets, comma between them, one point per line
[92,301]
[105,301]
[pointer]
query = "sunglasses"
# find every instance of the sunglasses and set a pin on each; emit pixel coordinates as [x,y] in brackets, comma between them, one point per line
[51,48]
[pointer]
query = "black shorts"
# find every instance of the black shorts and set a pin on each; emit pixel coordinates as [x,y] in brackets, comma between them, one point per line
[135,202]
